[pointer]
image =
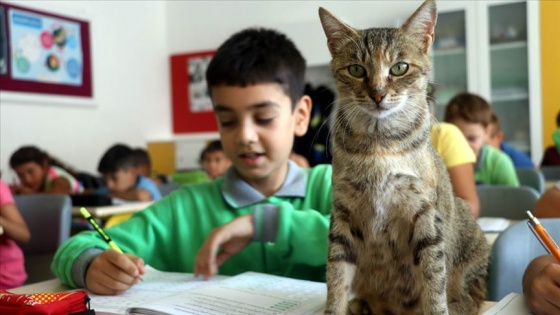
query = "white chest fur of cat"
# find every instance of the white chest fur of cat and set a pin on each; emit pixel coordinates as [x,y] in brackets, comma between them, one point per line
[400,242]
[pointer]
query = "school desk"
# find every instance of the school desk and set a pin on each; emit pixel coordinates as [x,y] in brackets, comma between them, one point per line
[107,211]
[54,285]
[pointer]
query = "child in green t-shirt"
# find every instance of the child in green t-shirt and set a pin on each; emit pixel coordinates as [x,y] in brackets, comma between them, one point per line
[473,115]
[265,214]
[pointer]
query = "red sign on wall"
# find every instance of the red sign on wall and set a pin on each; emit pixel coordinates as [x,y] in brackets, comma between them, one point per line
[191,103]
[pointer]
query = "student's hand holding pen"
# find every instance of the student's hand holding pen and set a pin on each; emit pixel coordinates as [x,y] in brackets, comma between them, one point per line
[112,272]
[541,285]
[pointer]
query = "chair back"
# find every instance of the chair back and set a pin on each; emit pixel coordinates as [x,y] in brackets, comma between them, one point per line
[512,251]
[167,188]
[551,173]
[531,177]
[48,217]
[506,201]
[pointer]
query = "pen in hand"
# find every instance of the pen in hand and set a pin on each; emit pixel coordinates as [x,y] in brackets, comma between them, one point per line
[99,230]
[543,236]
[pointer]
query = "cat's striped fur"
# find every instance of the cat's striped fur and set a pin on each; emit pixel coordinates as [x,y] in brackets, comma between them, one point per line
[400,242]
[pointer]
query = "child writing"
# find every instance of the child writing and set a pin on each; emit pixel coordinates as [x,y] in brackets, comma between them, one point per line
[214,160]
[40,173]
[123,180]
[265,214]
[12,229]
[473,115]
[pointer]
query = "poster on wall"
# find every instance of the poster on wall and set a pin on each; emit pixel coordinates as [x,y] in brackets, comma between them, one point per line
[191,103]
[44,53]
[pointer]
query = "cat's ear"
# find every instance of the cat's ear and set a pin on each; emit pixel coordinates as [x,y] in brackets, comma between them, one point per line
[422,22]
[335,29]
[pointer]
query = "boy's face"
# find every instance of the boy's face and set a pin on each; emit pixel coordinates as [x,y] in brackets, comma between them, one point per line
[475,133]
[215,163]
[257,128]
[494,138]
[121,180]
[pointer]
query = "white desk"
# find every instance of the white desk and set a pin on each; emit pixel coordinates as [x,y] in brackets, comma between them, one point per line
[54,285]
[106,211]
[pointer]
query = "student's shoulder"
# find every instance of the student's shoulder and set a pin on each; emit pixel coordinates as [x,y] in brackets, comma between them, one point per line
[320,174]
[495,156]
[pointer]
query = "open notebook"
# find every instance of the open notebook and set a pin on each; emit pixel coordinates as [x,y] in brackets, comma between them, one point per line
[247,293]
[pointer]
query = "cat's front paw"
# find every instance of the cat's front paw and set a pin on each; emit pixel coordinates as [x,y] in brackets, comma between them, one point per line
[359,307]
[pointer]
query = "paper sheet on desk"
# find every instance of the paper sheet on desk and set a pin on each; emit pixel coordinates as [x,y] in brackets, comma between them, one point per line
[511,304]
[487,224]
[156,285]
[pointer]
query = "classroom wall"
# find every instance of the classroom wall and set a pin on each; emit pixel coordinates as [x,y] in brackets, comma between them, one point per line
[550,70]
[204,25]
[131,86]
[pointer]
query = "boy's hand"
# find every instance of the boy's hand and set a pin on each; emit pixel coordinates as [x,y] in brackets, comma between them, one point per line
[111,272]
[542,286]
[223,242]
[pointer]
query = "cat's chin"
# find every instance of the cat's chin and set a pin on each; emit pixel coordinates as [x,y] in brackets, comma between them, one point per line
[384,113]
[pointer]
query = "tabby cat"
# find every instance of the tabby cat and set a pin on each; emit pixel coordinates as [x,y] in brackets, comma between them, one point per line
[400,242]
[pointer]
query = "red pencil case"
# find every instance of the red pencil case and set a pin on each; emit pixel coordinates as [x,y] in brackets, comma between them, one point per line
[68,302]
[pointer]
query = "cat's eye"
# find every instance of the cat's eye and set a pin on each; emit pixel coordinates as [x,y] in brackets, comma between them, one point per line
[399,69]
[357,71]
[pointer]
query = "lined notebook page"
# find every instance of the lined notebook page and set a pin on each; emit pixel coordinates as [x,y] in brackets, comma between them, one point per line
[156,285]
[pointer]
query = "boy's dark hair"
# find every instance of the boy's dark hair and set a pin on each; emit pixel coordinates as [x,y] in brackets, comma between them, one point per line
[558,119]
[32,153]
[258,55]
[118,157]
[212,146]
[141,157]
[470,108]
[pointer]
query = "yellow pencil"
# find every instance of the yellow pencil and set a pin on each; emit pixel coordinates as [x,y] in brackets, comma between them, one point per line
[99,230]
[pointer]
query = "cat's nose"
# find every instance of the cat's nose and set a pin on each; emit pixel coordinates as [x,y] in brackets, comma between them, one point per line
[377,96]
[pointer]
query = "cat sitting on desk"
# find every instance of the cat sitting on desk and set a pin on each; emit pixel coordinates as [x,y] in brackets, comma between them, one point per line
[399,239]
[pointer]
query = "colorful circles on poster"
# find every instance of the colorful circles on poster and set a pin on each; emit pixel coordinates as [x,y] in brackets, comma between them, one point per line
[23,65]
[59,35]
[47,40]
[72,42]
[74,68]
[53,63]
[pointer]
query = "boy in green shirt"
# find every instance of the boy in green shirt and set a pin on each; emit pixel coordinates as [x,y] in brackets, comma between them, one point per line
[265,214]
[473,115]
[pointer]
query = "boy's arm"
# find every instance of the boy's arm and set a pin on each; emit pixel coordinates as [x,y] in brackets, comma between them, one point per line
[300,235]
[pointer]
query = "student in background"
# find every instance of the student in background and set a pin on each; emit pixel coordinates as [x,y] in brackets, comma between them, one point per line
[551,155]
[548,205]
[541,285]
[143,165]
[459,160]
[265,214]
[473,115]
[39,172]
[213,159]
[496,139]
[123,180]
[12,229]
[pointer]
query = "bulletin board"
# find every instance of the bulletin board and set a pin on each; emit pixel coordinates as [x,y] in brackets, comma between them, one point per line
[191,104]
[44,53]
